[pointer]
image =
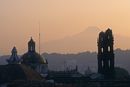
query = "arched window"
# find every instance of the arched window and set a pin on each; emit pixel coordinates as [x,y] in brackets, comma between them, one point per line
[109,48]
[102,39]
[108,37]
[102,50]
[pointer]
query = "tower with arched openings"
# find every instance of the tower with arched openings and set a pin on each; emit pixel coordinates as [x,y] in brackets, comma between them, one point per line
[106,53]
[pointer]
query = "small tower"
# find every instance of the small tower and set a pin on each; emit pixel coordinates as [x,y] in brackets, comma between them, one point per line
[14,59]
[106,53]
[31,45]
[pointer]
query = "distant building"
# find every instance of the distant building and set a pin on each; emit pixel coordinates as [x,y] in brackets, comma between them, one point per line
[88,72]
[106,53]
[64,74]
[35,60]
[14,59]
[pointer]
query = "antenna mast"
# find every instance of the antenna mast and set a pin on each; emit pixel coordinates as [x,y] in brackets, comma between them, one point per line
[39,39]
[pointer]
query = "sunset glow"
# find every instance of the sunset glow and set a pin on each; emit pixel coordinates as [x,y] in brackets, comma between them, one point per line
[58,19]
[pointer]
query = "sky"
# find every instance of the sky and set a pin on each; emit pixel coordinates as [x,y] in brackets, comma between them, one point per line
[20,19]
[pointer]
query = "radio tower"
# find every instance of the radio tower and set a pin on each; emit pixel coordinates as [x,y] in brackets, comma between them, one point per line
[39,39]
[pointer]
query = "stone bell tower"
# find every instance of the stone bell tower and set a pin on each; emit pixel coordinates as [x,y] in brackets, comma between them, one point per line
[106,53]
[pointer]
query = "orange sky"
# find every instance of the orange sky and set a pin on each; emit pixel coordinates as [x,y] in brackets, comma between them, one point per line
[58,18]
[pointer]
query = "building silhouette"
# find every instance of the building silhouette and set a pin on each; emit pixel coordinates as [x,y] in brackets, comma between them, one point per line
[14,59]
[34,59]
[106,53]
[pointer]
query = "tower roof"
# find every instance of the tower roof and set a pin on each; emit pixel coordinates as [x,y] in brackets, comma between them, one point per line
[31,40]
[14,59]
[14,50]
[108,30]
[101,34]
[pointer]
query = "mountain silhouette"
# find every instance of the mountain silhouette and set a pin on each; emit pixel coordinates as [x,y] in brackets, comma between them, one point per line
[83,41]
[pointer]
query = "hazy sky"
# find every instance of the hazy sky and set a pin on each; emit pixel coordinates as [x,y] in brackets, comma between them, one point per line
[19,19]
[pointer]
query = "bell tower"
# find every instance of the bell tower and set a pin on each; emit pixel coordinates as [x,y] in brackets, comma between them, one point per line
[106,53]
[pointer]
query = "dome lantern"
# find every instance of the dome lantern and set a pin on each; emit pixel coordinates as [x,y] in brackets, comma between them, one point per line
[31,45]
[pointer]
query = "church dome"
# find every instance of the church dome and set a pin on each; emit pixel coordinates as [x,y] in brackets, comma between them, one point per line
[14,58]
[32,58]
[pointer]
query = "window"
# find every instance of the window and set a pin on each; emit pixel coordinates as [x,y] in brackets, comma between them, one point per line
[109,49]
[102,50]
